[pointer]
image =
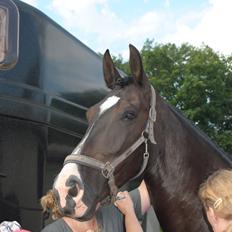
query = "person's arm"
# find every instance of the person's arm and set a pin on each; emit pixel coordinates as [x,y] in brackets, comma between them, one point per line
[125,205]
[145,198]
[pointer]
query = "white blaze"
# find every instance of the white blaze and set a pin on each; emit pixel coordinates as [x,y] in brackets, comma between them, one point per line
[72,168]
[78,148]
[107,104]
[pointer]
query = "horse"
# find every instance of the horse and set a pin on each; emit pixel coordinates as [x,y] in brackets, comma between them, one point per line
[134,132]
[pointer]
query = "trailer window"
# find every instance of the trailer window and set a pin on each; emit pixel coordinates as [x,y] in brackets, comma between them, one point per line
[3,33]
[9,34]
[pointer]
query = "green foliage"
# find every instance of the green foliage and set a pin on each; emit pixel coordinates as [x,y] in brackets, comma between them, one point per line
[118,61]
[198,81]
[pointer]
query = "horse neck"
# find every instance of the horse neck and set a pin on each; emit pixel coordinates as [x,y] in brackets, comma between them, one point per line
[180,161]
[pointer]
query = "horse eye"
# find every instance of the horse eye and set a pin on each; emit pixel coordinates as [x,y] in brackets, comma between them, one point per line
[129,115]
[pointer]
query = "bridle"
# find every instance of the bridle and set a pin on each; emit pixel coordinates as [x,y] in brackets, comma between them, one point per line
[107,169]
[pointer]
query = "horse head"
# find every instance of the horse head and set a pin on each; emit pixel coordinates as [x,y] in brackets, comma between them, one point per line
[111,151]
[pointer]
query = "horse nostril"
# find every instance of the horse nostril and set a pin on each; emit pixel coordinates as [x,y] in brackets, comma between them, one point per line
[73,191]
[75,185]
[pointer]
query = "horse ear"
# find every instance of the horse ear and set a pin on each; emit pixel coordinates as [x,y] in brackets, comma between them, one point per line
[136,65]
[111,74]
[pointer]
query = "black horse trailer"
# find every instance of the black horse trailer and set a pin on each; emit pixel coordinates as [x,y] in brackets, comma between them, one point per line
[48,79]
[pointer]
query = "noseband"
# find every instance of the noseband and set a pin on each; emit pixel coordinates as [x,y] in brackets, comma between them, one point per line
[107,169]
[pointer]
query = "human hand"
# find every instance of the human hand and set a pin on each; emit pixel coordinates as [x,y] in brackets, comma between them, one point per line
[124,203]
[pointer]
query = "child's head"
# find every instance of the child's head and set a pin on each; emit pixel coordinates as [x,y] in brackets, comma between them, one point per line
[216,192]
[216,195]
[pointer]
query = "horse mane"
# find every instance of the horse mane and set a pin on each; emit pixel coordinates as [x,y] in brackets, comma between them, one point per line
[199,133]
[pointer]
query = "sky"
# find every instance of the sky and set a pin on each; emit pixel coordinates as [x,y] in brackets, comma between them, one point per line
[114,24]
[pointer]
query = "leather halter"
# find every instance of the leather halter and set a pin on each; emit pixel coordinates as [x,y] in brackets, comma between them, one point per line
[107,169]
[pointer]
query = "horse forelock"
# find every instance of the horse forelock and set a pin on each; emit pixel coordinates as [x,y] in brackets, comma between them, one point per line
[124,81]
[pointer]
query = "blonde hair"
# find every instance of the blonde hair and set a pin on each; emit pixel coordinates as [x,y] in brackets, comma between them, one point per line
[50,205]
[216,193]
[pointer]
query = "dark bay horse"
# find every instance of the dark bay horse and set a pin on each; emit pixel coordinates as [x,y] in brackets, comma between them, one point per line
[130,126]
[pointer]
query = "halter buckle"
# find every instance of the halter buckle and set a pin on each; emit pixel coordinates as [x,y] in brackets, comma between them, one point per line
[108,170]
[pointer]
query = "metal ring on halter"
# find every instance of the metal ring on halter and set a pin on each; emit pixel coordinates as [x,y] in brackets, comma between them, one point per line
[108,170]
[145,135]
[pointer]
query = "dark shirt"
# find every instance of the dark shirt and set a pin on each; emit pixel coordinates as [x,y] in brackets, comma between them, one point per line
[108,217]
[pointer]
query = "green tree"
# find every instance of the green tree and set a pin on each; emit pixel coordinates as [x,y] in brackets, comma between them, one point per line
[118,61]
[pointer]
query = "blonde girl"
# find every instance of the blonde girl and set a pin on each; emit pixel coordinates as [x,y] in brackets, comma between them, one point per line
[216,196]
